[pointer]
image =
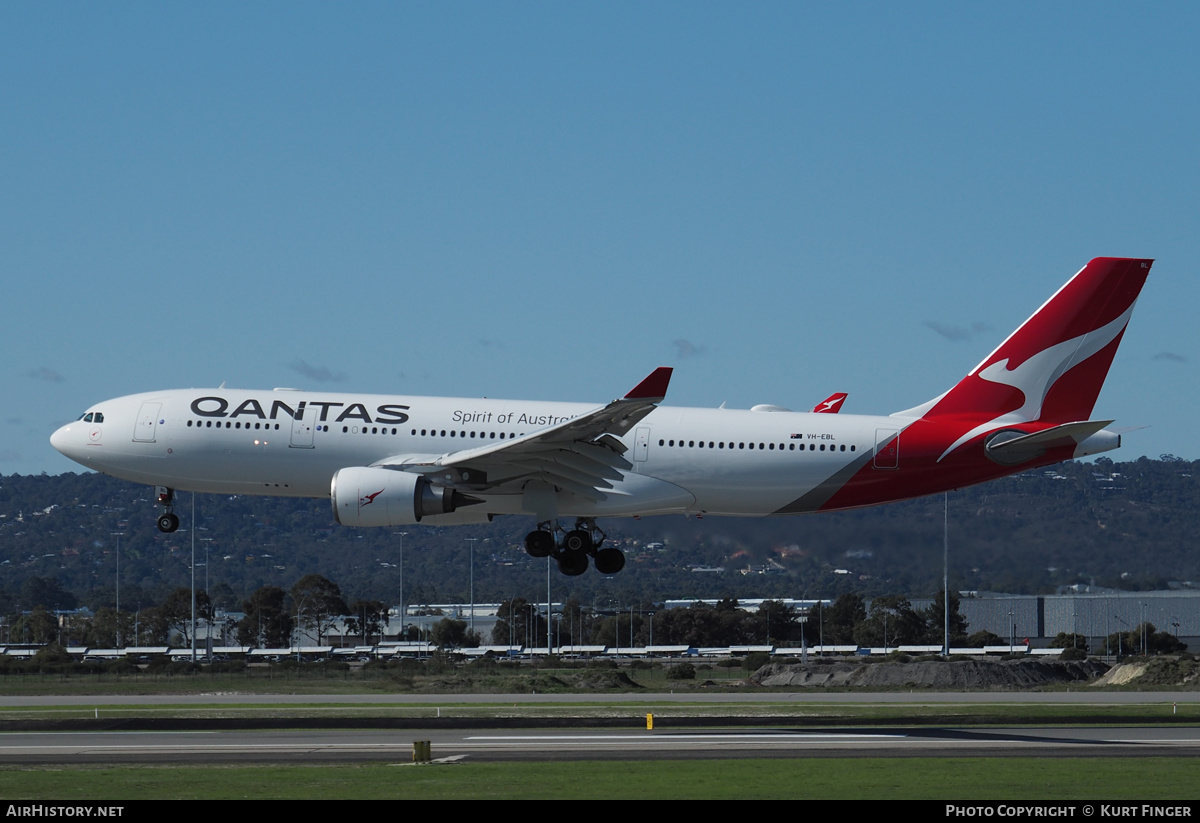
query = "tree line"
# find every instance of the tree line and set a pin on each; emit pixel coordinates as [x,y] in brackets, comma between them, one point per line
[270,617]
[1125,525]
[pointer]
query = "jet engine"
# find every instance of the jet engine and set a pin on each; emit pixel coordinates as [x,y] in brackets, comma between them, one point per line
[367,496]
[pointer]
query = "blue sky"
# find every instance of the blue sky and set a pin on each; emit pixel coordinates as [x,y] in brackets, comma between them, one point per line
[548,200]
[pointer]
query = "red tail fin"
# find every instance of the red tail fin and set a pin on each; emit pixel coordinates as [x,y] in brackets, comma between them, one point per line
[1051,369]
[831,404]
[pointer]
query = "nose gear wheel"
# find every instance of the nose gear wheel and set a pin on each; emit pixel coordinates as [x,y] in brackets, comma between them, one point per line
[168,521]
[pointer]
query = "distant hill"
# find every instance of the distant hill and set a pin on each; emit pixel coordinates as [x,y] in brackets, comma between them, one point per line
[1130,525]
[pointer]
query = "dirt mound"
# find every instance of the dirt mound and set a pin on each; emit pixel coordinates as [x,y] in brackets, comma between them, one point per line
[1123,674]
[938,674]
[1181,671]
[594,680]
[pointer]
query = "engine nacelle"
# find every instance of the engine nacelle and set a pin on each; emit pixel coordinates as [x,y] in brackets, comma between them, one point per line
[366,496]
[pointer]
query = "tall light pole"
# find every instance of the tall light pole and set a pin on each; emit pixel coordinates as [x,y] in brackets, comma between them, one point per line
[208,641]
[118,631]
[472,540]
[1074,624]
[207,541]
[402,536]
[511,622]
[946,571]
[192,529]
[1120,651]
[299,606]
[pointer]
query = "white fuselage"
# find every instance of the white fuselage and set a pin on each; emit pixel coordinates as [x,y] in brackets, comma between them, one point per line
[291,443]
[386,461]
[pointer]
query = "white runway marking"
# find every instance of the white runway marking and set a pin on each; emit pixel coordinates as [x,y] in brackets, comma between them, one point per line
[684,737]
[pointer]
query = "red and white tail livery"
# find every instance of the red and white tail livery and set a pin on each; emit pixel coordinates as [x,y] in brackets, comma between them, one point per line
[386,460]
[831,404]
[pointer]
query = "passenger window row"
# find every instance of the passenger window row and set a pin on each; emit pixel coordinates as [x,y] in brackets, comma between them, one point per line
[237,424]
[462,435]
[98,417]
[700,444]
[227,424]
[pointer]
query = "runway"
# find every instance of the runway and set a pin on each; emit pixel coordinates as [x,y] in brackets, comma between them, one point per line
[252,728]
[1093,698]
[396,746]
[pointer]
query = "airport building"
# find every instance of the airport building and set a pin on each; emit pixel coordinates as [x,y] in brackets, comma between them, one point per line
[1091,614]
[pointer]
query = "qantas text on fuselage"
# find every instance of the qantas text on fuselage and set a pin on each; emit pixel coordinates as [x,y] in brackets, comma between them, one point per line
[386,460]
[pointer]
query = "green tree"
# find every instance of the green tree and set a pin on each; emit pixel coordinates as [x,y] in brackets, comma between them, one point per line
[935,621]
[519,622]
[776,622]
[366,618]
[409,633]
[151,627]
[318,603]
[1068,640]
[682,671]
[1156,642]
[267,623]
[176,610]
[841,618]
[449,633]
[105,626]
[1162,642]
[985,638]
[891,622]
[39,626]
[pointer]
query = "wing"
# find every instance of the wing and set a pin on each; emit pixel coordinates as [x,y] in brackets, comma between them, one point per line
[581,455]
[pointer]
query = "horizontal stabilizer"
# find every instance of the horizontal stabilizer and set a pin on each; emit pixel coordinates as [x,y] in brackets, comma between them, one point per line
[1010,447]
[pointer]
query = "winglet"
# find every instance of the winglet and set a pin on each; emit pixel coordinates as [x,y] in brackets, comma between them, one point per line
[654,386]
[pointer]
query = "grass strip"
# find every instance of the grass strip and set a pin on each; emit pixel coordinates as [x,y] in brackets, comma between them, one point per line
[960,779]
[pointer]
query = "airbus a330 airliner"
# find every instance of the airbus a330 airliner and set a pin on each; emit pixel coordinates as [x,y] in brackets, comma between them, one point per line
[393,461]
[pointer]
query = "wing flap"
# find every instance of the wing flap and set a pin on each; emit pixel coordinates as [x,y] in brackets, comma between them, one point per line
[550,469]
[594,460]
[580,455]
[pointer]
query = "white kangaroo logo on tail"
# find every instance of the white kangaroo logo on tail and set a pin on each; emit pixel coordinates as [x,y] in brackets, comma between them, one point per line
[1035,376]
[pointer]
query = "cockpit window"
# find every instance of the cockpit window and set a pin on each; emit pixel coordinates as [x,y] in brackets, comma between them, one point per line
[99,417]
[87,418]
[93,417]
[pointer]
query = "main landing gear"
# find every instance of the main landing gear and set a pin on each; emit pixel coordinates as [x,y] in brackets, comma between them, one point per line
[571,552]
[167,521]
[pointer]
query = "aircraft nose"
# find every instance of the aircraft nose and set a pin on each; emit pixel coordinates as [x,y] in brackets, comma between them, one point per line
[61,440]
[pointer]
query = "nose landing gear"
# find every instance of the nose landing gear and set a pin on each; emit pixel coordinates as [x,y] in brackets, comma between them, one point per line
[168,521]
[572,552]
